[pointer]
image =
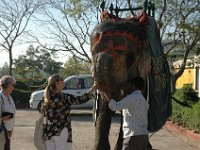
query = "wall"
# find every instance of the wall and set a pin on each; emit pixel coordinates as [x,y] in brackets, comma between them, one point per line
[188,77]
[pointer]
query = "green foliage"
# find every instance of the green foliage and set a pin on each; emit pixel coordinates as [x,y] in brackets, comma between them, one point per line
[74,67]
[4,70]
[37,84]
[187,94]
[23,90]
[77,7]
[24,87]
[31,85]
[197,50]
[21,96]
[188,117]
[35,64]
[21,85]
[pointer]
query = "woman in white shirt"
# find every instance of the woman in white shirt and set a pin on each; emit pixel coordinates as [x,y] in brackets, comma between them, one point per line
[7,111]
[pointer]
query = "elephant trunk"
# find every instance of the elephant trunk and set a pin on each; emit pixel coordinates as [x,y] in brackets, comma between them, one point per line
[102,68]
[112,72]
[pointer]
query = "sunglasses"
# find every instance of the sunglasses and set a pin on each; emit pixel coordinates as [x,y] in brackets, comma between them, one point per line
[57,78]
[60,79]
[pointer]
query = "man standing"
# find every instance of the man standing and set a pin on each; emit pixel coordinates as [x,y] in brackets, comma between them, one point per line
[135,110]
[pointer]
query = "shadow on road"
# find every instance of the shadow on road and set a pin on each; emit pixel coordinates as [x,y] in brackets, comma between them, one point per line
[83,117]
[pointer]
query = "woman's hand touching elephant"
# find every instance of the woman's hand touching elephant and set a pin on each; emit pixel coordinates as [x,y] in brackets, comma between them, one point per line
[92,89]
[103,88]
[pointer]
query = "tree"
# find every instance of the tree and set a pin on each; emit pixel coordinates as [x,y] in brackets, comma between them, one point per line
[4,70]
[75,67]
[69,25]
[35,64]
[14,18]
[179,20]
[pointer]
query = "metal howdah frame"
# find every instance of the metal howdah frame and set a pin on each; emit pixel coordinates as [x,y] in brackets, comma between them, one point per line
[148,7]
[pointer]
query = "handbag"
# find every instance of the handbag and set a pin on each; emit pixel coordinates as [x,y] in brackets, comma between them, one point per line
[38,134]
[7,114]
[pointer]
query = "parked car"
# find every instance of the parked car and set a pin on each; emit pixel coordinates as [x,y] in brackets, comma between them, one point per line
[76,85]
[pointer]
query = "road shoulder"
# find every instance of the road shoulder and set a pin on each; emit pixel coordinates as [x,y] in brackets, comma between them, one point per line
[187,135]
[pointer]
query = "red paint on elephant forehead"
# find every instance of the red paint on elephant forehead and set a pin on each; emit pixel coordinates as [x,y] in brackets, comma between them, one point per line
[116,34]
[113,53]
[112,49]
[121,34]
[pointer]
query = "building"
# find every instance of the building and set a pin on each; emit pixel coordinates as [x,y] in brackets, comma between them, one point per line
[190,75]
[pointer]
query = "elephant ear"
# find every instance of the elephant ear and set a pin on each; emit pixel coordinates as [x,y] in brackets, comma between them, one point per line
[144,64]
[159,82]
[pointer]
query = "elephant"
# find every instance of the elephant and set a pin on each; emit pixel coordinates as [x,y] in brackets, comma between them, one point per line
[121,50]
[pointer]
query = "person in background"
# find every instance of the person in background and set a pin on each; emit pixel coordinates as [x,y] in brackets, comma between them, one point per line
[7,111]
[57,131]
[135,110]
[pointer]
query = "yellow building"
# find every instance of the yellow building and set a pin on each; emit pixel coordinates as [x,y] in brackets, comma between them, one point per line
[186,78]
[191,75]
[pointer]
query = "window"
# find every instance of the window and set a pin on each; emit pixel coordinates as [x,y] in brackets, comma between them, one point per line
[88,82]
[79,83]
[74,83]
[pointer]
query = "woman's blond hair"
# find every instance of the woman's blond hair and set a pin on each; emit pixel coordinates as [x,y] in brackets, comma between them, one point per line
[51,87]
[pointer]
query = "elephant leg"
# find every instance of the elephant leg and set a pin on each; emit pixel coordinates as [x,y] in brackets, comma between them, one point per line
[119,143]
[102,128]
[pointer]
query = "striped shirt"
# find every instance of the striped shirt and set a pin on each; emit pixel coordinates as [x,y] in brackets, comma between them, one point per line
[135,110]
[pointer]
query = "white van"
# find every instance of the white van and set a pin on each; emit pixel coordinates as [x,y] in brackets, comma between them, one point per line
[76,85]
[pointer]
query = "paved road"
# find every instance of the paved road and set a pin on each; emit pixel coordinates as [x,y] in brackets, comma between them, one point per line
[83,133]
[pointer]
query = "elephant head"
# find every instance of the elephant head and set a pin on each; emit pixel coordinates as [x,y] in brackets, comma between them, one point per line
[119,52]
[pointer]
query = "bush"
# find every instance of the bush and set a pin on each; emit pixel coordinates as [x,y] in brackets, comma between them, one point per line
[21,96]
[187,116]
[23,90]
[32,85]
[187,94]
[194,119]
[37,85]
[21,85]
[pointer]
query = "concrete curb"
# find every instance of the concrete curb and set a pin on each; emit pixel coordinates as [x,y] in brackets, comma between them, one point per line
[186,134]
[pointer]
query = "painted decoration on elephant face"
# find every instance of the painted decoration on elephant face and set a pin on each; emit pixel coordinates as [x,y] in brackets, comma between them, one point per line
[119,51]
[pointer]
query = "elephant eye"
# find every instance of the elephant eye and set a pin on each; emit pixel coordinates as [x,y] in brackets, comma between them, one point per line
[129,59]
